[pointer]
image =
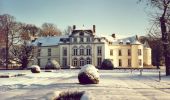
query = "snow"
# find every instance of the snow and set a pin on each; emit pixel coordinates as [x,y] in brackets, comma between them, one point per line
[90,69]
[49,40]
[114,84]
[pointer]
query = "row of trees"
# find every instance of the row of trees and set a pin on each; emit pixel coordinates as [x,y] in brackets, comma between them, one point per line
[15,39]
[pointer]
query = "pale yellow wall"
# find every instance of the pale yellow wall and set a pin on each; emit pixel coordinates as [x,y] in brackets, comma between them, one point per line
[147,59]
[116,57]
[136,57]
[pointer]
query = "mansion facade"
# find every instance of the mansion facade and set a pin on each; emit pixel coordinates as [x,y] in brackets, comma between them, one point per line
[84,46]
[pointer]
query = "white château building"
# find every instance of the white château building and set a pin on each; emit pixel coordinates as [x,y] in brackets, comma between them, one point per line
[84,46]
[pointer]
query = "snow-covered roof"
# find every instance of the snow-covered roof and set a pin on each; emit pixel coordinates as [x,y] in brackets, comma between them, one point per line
[130,40]
[109,38]
[48,41]
[146,44]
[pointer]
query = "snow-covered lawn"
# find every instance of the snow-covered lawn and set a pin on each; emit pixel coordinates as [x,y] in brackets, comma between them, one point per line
[113,85]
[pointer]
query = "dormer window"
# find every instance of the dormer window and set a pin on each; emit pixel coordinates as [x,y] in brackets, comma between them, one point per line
[81,34]
[127,42]
[39,44]
[75,39]
[81,39]
[120,42]
[88,39]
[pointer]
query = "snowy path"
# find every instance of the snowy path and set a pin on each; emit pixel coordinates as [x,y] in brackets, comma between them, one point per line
[113,85]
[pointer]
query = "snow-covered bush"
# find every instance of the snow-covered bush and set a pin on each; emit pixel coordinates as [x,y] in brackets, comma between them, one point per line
[88,75]
[66,95]
[52,64]
[35,69]
[107,64]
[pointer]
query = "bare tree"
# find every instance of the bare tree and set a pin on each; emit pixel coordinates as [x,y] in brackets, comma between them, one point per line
[16,37]
[163,7]
[29,31]
[6,29]
[68,30]
[49,29]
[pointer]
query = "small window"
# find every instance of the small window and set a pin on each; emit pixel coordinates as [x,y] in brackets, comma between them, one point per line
[49,51]
[88,39]
[129,62]
[64,62]
[129,52]
[120,62]
[139,52]
[99,61]
[38,62]
[120,53]
[39,52]
[140,62]
[99,50]
[81,39]
[82,34]
[111,52]
[64,51]
[75,39]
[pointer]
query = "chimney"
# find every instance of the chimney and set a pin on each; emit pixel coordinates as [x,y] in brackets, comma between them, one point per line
[74,27]
[94,28]
[113,35]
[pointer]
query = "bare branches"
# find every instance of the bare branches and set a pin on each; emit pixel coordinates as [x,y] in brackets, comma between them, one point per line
[49,29]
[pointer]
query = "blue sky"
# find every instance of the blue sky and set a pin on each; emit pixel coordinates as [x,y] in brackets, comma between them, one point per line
[123,17]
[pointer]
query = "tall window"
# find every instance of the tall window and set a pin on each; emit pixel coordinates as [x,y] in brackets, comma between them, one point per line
[99,61]
[75,62]
[139,52]
[64,62]
[39,52]
[129,62]
[111,52]
[88,39]
[81,62]
[81,51]
[64,51]
[88,61]
[129,52]
[99,50]
[49,51]
[81,39]
[140,62]
[120,62]
[88,51]
[75,50]
[120,52]
[38,62]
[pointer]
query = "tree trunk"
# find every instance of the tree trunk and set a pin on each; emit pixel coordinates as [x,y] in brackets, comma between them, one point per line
[165,44]
[7,48]
[24,63]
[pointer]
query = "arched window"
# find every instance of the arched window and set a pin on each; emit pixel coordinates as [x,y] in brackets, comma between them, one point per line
[88,50]
[88,61]
[81,62]
[75,62]
[81,50]
[75,51]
